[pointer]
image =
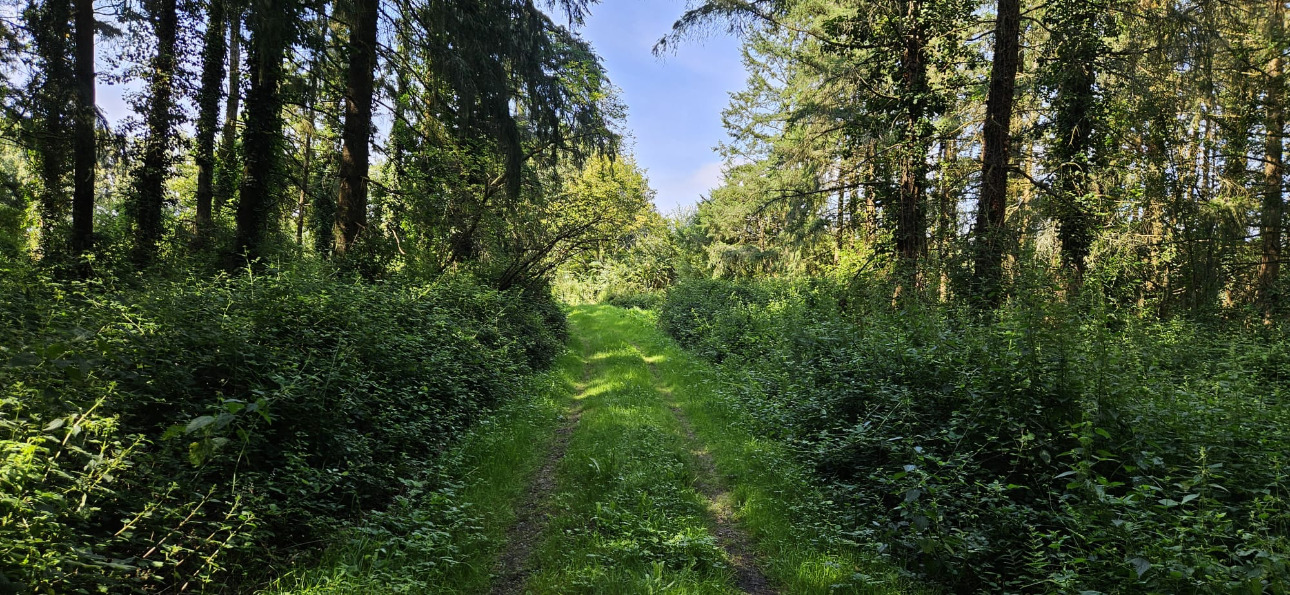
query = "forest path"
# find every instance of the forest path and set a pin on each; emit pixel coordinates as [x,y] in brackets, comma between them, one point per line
[628,500]
[630,467]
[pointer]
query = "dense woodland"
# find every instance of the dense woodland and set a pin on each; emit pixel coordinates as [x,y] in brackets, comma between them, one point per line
[1004,276]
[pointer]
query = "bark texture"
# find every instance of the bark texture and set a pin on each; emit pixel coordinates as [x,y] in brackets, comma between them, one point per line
[991,232]
[351,203]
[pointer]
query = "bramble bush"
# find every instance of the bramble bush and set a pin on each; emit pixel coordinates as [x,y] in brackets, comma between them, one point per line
[201,433]
[1046,450]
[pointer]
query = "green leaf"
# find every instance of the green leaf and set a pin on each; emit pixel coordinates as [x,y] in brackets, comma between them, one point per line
[1140,566]
[199,423]
[54,425]
[173,432]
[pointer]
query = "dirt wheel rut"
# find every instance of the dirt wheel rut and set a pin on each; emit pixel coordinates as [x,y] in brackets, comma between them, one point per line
[512,569]
[736,543]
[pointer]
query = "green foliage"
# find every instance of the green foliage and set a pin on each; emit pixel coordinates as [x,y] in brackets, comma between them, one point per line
[633,263]
[712,317]
[188,431]
[634,299]
[441,534]
[1042,451]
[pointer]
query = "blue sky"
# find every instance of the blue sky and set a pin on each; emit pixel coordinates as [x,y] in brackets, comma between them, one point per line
[674,103]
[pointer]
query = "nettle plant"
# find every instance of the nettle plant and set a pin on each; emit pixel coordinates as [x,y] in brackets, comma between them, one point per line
[185,434]
[1042,450]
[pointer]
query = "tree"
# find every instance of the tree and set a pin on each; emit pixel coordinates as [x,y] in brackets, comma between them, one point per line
[351,204]
[52,95]
[226,178]
[150,177]
[272,25]
[1273,212]
[214,52]
[606,201]
[85,145]
[991,231]
[1075,45]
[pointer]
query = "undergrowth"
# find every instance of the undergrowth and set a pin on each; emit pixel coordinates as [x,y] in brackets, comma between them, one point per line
[1046,450]
[443,534]
[204,433]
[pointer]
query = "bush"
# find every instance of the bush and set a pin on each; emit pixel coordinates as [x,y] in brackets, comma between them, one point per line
[629,299]
[712,317]
[1039,452]
[200,431]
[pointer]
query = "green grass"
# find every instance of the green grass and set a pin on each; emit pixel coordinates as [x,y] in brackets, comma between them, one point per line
[445,535]
[626,515]
[773,497]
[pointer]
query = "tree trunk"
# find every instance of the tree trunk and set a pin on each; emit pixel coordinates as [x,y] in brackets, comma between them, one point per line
[911,224]
[351,203]
[1273,170]
[841,228]
[1073,106]
[52,99]
[991,233]
[303,202]
[947,210]
[227,178]
[271,24]
[208,104]
[85,151]
[151,177]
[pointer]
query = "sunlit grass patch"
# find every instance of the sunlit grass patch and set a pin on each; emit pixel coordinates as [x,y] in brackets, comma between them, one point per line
[628,518]
[771,496]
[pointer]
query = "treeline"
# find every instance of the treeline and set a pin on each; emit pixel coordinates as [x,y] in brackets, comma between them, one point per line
[979,150]
[410,135]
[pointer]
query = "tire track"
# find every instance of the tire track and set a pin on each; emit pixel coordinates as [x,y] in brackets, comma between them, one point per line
[737,544]
[512,569]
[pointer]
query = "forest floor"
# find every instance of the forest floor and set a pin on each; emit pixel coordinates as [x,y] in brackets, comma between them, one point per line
[633,475]
[651,486]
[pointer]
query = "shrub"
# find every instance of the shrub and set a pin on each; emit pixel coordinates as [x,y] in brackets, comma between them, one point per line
[1038,452]
[197,431]
[628,299]
[712,317]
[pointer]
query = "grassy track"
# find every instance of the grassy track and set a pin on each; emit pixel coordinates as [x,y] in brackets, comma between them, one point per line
[648,485]
[662,491]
